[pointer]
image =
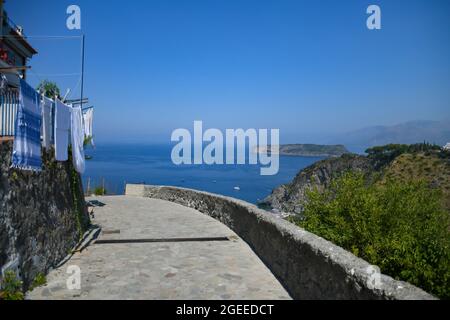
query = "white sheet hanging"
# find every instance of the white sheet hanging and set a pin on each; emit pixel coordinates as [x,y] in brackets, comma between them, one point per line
[62,128]
[77,134]
[46,122]
[88,118]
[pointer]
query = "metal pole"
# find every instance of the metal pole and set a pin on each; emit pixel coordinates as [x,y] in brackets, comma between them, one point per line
[88,191]
[82,72]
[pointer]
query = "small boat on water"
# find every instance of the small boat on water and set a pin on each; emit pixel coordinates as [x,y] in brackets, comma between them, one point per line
[237,188]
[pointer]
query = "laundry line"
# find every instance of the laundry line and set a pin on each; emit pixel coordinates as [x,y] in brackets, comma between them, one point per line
[57,74]
[43,37]
[40,77]
[40,122]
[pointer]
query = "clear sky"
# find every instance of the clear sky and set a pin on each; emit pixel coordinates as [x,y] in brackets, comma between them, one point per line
[310,68]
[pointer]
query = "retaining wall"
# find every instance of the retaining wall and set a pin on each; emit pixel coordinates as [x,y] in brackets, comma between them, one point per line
[42,215]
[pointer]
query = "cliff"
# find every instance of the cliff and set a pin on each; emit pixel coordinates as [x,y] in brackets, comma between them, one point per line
[42,215]
[289,198]
[400,162]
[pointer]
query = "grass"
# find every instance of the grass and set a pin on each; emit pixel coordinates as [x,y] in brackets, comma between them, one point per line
[431,168]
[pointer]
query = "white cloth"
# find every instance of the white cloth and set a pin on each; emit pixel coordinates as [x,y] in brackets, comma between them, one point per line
[46,122]
[88,118]
[62,128]
[77,135]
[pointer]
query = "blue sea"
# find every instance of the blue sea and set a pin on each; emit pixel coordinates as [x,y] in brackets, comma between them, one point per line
[119,164]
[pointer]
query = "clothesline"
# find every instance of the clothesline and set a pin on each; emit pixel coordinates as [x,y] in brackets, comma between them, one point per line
[38,76]
[43,37]
[57,74]
[45,122]
[54,37]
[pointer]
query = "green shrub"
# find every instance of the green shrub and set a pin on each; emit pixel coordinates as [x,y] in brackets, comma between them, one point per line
[10,287]
[100,191]
[39,281]
[87,141]
[400,227]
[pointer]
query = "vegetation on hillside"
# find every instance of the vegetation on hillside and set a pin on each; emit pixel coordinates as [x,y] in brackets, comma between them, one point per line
[383,155]
[423,161]
[431,169]
[400,226]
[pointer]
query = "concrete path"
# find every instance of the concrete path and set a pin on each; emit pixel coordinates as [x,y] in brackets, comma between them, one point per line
[162,270]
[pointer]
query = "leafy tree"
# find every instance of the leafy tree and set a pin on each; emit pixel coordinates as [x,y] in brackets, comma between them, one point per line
[399,226]
[50,89]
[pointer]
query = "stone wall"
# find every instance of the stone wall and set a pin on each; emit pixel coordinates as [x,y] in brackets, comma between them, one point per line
[41,215]
[308,266]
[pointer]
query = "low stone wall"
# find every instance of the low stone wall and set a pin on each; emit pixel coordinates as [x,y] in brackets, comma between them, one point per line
[41,215]
[308,266]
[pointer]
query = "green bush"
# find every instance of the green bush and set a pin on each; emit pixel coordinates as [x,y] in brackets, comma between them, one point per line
[400,227]
[10,287]
[100,191]
[39,281]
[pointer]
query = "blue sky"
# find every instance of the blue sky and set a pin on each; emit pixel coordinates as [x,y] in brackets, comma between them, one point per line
[310,68]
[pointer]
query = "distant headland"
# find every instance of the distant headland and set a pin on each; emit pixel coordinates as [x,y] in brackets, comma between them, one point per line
[306,150]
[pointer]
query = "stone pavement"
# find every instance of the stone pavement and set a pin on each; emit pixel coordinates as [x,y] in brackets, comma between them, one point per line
[162,270]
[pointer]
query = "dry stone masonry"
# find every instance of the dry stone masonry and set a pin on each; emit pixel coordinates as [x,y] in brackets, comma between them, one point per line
[41,215]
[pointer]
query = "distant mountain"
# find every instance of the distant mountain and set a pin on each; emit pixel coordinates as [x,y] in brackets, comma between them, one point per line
[437,132]
[306,150]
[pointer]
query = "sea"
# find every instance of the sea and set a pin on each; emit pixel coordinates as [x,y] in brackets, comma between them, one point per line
[115,165]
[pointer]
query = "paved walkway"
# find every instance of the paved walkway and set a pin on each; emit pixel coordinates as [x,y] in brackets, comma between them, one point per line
[162,270]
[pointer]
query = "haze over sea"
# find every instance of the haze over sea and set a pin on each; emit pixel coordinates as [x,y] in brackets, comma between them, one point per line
[118,164]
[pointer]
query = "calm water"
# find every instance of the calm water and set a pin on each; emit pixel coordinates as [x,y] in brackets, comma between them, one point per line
[151,164]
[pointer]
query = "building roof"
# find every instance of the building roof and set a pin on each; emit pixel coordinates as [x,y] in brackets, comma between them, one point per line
[22,40]
[13,35]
